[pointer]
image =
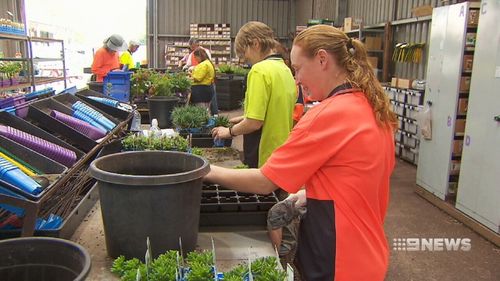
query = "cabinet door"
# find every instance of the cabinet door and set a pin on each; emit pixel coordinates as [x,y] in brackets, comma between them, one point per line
[447,41]
[479,186]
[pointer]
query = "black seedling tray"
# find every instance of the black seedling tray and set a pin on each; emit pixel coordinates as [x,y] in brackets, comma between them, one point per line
[221,206]
[35,160]
[205,140]
[119,114]
[23,125]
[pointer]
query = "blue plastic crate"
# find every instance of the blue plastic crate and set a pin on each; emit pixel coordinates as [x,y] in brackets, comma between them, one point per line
[120,85]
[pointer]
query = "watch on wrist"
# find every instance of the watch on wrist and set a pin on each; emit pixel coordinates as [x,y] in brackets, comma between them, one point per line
[231,132]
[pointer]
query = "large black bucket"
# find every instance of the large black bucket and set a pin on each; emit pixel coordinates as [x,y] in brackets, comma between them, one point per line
[153,194]
[43,259]
[160,108]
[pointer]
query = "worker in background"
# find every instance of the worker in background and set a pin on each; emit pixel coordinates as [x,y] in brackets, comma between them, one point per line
[342,150]
[126,57]
[189,60]
[203,76]
[269,98]
[106,58]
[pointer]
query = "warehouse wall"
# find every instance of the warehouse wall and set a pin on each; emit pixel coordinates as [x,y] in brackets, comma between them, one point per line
[174,17]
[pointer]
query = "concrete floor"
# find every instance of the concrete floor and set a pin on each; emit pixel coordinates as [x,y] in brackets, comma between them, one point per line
[409,216]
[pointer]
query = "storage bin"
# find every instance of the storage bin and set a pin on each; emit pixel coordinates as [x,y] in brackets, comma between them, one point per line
[410,126]
[410,141]
[116,84]
[408,154]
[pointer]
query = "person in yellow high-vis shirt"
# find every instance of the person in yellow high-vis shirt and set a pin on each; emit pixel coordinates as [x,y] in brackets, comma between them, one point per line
[126,57]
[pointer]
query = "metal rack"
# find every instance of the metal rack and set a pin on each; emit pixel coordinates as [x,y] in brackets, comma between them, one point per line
[27,51]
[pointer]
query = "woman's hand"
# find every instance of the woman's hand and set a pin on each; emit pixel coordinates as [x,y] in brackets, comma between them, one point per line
[221,133]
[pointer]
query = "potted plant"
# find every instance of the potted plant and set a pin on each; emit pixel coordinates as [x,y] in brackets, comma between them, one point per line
[181,85]
[229,85]
[140,83]
[161,100]
[190,119]
[223,121]
[201,266]
[10,71]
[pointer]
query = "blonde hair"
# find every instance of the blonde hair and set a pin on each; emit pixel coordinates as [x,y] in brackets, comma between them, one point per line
[252,32]
[350,55]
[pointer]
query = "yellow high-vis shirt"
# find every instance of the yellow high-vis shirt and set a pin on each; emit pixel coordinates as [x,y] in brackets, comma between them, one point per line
[270,97]
[126,59]
[203,73]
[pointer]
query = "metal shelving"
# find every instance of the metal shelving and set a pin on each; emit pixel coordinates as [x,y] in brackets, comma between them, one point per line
[27,48]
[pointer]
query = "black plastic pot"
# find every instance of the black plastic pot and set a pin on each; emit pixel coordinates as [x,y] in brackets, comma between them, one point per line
[160,108]
[153,194]
[43,259]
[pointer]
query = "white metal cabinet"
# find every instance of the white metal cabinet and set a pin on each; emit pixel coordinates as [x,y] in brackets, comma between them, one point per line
[444,70]
[479,186]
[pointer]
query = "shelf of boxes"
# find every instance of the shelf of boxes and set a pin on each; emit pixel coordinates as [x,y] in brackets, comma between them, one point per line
[406,103]
[174,52]
[216,37]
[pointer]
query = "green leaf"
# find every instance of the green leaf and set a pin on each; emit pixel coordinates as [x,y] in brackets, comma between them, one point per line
[189,117]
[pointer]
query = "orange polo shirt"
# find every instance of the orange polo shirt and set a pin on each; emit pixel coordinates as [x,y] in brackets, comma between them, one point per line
[345,161]
[104,62]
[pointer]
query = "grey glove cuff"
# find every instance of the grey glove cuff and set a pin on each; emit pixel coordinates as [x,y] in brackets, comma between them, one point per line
[283,213]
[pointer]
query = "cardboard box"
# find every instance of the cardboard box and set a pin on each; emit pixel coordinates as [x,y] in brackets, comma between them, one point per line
[463,104]
[394,82]
[373,43]
[455,167]
[460,126]
[350,24]
[464,84]
[422,11]
[467,63]
[373,61]
[457,146]
[404,83]
[473,17]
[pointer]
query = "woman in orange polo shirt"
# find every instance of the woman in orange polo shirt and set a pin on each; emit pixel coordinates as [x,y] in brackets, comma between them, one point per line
[342,150]
[106,58]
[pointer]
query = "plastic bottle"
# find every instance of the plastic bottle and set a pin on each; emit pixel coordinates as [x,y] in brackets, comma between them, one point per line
[154,129]
[135,126]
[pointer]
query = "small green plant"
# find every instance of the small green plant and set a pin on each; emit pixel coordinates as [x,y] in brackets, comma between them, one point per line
[226,68]
[127,269]
[197,151]
[265,269]
[164,267]
[11,69]
[187,117]
[161,85]
[201,266]
[221,120]
[236,274]
[241,166]
[238,70]
[139,142]
[140,83]
[180,82]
